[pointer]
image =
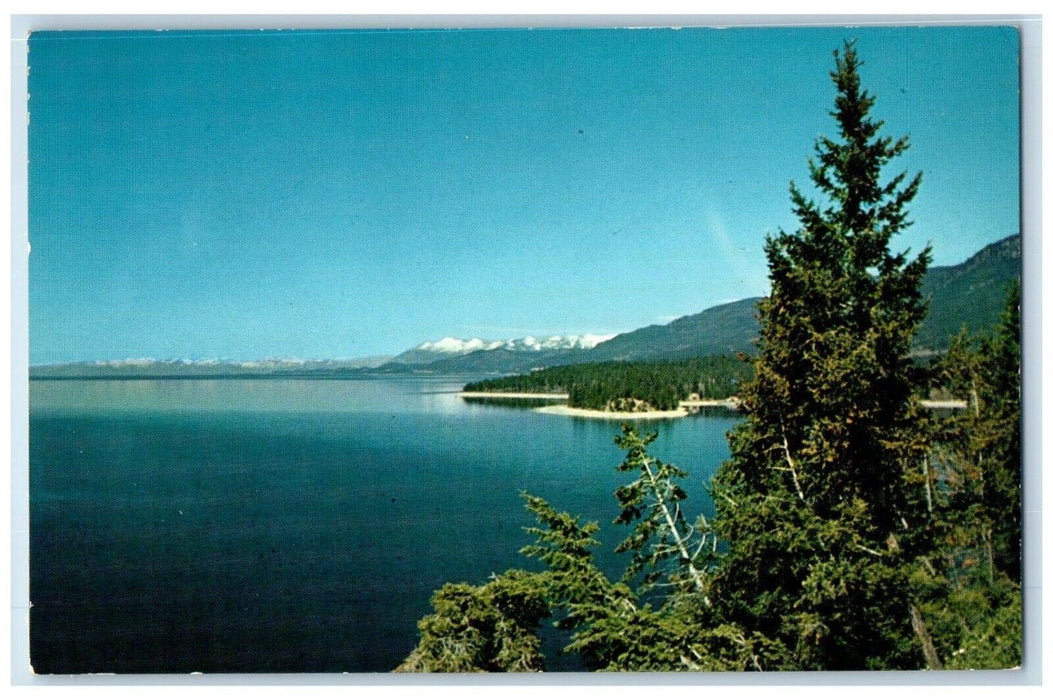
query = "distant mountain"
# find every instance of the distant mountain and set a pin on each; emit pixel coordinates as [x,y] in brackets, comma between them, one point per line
[505,361]
[447,348]
[970,293]
[719,330]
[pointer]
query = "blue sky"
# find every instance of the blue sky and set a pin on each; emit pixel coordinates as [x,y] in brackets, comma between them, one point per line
[342,194]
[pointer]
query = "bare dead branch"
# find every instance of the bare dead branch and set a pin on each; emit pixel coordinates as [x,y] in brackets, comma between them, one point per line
[696,575]
[789,460]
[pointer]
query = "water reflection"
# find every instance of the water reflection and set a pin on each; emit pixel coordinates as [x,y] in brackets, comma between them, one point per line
[431,395]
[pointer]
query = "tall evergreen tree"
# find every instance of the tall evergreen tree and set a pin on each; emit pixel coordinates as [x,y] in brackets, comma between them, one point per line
[816,502]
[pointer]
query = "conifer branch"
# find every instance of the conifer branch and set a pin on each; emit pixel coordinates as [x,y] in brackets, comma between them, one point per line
[674,532]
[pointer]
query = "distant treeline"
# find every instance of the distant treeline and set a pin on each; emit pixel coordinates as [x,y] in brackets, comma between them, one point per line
[659,384]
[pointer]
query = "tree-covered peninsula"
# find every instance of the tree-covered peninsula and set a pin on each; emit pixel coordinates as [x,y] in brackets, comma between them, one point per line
[659,385]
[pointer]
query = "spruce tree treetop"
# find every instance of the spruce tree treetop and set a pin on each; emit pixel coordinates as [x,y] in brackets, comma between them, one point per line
[815,501]
[849,171]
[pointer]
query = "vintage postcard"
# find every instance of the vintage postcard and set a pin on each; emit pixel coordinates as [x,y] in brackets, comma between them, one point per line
[669,349]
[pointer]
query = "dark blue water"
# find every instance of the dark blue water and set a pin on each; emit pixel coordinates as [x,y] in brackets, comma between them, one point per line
[292,525]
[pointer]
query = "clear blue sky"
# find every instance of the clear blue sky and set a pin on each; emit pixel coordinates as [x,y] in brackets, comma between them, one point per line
[342,194]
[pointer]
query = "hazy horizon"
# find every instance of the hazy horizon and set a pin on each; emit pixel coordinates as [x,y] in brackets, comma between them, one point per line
[346,194]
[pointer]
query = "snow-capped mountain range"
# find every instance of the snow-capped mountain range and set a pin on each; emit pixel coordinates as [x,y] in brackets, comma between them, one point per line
[447,349]
[453,347]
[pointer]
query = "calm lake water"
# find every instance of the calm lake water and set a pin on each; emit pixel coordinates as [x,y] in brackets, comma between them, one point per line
[293,525]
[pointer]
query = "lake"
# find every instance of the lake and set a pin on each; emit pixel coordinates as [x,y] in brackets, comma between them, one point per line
[281,525]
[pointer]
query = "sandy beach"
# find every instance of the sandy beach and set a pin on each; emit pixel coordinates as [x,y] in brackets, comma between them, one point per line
[610,415]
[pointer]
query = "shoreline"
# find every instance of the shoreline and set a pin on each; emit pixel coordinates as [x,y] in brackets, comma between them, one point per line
[611,415]
[680,412]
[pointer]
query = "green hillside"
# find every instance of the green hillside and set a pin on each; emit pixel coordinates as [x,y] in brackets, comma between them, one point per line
[971,293]
[719,330]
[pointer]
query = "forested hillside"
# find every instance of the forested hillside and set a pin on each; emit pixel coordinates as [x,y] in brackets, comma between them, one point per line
[720,330]
[969,294]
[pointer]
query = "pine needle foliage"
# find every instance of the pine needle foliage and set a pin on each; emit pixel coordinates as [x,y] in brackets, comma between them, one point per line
[492,627]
